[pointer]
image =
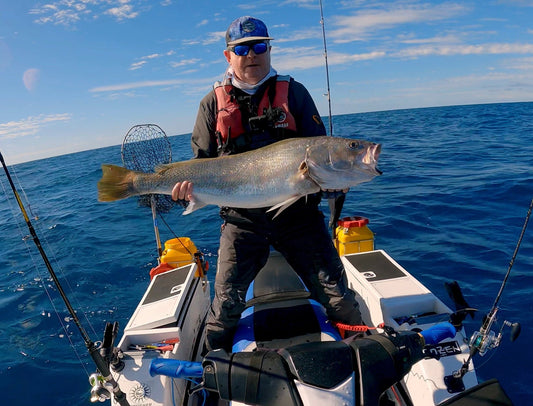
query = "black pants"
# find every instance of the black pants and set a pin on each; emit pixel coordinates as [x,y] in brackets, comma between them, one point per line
[301,236]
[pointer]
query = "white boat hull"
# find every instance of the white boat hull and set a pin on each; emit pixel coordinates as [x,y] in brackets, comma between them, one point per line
[176,303]
[174,306]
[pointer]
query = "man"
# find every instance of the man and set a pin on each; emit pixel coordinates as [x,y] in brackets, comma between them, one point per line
[251,108]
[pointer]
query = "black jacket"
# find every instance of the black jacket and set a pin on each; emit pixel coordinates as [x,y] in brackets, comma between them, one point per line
[301,105]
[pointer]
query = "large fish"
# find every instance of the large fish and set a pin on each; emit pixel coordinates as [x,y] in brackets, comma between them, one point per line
[274,176]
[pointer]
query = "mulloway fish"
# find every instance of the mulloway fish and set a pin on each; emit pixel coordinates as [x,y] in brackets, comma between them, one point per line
[274,176]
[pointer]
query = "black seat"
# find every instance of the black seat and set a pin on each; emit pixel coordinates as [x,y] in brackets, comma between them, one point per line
[279,307]
[276,281]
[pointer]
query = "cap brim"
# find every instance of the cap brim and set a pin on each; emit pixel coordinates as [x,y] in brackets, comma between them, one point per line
[248,39]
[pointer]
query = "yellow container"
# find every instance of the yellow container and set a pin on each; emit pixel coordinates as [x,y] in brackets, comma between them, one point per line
[178,252]
[353,235]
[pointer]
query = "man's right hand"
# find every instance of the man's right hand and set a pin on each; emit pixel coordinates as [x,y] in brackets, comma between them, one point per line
[182,193]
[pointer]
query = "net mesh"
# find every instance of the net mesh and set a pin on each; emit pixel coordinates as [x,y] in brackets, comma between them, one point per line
[146,146]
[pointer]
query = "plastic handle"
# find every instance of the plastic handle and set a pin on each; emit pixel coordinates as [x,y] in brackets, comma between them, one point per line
[353,221]
[438,332]
[176,368]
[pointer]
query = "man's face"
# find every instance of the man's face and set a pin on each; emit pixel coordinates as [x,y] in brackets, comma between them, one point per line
[250,68]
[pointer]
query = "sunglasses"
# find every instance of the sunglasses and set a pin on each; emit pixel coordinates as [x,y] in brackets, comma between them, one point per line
[242,50]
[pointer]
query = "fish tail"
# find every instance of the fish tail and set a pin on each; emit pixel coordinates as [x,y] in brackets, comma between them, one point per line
[116,183]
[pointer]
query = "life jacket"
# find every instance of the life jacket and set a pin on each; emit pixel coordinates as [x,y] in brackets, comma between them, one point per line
[273,110]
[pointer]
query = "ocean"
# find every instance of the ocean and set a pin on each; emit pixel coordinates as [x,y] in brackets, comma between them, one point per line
[456,185]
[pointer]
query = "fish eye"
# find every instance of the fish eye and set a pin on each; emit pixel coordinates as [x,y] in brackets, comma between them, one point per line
[354,145]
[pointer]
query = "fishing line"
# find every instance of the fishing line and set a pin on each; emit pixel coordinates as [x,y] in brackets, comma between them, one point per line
[15,172]
[43,280]
[64,276]
[491,316]
[486,339]
[100,362]
[336,203]
[174,234]
[515,253]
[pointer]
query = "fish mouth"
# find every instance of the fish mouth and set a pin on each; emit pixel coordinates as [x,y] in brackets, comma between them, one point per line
[372,155]
[377,152]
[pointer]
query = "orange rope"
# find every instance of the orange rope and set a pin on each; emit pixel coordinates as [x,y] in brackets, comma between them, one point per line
[343,328]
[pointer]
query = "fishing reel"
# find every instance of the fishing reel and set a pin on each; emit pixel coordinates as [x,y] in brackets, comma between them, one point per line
[486,339]
[481,341]
[101,390]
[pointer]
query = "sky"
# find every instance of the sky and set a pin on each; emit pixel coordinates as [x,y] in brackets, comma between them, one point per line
[78,74]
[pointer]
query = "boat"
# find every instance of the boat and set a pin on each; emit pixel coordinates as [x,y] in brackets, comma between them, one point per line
[412,349]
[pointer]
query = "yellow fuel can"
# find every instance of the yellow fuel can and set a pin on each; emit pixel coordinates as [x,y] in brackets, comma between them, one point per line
[178,252]
[353,235]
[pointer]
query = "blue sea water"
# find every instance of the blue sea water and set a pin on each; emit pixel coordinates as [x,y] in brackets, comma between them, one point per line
[450,205]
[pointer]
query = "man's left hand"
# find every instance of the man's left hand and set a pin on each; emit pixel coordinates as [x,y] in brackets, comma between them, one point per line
[333,193]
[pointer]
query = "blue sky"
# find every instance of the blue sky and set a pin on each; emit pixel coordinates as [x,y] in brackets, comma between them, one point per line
[77,74]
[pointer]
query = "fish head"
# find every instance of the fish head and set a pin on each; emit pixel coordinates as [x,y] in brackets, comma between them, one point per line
[341,163]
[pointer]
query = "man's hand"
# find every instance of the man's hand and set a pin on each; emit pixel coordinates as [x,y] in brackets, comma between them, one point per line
[182,193]
[333,193]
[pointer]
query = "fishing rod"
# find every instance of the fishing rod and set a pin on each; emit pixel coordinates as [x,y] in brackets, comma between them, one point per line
[335,203]
[328,94]
[485,339]
[100,362]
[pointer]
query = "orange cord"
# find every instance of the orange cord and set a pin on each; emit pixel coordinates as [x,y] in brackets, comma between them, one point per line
[343,328]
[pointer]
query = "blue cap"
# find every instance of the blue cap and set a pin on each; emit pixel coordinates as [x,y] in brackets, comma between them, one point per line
[245,29]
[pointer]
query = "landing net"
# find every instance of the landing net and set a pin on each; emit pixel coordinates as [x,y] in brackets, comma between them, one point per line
[146,146]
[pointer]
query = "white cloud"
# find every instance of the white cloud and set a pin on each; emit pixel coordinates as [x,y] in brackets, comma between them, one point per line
[125,11]
[214,37]
[162,84]
[144,59]
[70,12]
[440,39]
[184,62]
[30,125]
[359,26]
[137,85]
[62,12]
[525,64]
[303,3]
[300,35]
[288,59]
[207,38]
[447,50]
[137,65]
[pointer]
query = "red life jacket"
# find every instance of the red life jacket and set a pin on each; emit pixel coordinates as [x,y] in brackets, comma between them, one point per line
[229,117]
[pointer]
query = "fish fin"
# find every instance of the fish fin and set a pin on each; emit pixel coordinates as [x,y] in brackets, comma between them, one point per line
[193,206]
[283,205]
[303,172]
[116,183]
